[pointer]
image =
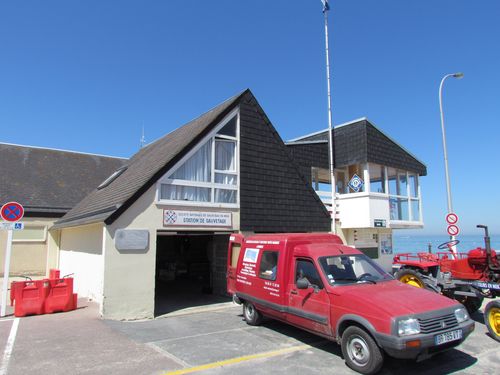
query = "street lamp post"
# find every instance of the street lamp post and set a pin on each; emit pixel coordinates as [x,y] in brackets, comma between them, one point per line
[448,188]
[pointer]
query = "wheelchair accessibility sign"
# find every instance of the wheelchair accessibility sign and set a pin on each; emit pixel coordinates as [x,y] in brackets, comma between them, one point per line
[356,183]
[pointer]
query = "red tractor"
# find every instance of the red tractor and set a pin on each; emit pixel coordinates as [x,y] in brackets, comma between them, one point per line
[466,277]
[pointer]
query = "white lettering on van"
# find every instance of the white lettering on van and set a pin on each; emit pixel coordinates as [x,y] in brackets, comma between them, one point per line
[271,289]
[263,242]
[272,285]
[248,269]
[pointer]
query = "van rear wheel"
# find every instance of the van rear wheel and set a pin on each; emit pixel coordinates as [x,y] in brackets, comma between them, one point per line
[252,316]
[360,351]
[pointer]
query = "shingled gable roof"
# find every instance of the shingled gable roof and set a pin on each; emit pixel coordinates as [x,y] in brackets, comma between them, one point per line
[359,141]
[145,168]
[49,182]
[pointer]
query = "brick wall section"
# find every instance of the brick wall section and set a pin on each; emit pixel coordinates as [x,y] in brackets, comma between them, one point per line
[357,143]
[309,155]
[350,144]
[382,150]
[275,197]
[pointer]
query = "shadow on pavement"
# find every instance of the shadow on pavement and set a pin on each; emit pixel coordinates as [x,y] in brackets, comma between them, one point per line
[478,317]
[175,296]
[446,362]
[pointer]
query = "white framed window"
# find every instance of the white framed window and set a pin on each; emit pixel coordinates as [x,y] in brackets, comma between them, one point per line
[404,195]
[30,233]
[209,174]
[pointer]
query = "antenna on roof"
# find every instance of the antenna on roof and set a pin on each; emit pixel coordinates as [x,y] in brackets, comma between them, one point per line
[143,139]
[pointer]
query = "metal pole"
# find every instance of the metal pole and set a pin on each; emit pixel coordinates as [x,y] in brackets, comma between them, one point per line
[6,271]
[448,189]
[330,126]
[445,151]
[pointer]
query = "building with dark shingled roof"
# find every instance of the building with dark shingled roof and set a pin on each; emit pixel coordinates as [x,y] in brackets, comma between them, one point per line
[152,237]
[48,183]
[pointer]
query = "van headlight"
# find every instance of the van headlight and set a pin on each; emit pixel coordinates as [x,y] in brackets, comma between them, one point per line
[408,326]
[461,315]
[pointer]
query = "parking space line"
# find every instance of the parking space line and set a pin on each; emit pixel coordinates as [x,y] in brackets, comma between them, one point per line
[168,355]
[9,346]
[236,360]
[203,334]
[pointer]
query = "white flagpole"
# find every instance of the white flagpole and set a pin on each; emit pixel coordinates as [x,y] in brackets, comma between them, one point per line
[330,125]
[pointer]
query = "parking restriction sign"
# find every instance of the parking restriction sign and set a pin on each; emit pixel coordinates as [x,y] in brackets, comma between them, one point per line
[453,230]
[12,212]
[452,218]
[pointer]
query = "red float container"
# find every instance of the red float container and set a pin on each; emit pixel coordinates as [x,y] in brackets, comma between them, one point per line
[60,297]
[54,274]
[29,297]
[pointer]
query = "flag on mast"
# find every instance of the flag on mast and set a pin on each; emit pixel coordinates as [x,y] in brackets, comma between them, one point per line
[326,6]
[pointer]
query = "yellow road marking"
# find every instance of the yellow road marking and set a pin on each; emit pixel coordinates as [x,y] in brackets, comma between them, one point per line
[233,361]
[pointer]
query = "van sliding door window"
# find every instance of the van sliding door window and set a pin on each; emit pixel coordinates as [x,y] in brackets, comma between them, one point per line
[268,265]
[305,268]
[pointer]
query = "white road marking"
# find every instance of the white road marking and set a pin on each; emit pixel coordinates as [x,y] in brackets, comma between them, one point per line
[8,347]
[168,355]
[203,334]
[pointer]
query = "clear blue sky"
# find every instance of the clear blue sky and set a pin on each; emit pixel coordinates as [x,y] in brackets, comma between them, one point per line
[85,75]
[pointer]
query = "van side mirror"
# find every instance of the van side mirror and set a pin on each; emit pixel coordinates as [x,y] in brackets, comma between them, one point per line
[302,283]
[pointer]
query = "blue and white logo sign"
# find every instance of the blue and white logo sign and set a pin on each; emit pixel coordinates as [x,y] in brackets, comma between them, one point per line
[356,183]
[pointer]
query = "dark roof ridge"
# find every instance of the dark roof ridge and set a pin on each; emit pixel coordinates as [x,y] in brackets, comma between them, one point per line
[61,150]
[148,165]
[196,118]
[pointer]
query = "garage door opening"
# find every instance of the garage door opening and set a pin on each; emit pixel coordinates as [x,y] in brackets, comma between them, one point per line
[190,270]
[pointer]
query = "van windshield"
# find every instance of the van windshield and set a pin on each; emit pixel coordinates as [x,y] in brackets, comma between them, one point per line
[352,269]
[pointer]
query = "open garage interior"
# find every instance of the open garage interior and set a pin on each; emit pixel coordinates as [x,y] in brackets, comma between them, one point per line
[190,270]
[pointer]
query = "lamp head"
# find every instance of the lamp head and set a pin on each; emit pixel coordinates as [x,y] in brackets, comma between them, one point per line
[459,75]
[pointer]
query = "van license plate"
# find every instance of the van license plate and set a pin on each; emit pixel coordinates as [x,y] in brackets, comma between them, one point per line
[448,336]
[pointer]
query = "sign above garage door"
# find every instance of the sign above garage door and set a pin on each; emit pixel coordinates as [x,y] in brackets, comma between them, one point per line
[178,218]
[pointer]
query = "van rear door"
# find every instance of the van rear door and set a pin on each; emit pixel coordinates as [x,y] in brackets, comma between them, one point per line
[233,254]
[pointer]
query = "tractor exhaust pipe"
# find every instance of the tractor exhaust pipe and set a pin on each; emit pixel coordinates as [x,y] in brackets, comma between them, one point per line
[487,243]
[487,246]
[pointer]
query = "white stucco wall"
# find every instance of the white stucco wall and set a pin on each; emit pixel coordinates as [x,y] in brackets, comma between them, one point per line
[364,237]
[81,254]
[29,257]
[360,210]
[129,276]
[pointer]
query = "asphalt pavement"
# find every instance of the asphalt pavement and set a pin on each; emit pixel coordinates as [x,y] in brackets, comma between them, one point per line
[214,341]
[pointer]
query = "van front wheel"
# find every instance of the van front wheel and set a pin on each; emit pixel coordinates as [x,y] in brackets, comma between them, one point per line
[251,315]
[360,351]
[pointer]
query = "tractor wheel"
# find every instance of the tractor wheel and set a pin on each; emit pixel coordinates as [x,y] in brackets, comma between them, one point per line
[472,304]
[411,277]
[492,319]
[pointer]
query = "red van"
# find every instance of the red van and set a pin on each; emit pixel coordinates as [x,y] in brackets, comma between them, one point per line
[316,283]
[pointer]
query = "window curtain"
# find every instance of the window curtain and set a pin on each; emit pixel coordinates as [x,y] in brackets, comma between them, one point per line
[185,193]
[197,167]
[224,155]
[226,179]
[225,196]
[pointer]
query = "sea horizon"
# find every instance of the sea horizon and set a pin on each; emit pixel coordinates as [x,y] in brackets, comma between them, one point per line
[420,243]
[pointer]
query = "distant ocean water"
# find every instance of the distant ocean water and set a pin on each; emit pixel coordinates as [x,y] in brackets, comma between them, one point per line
[406,243]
